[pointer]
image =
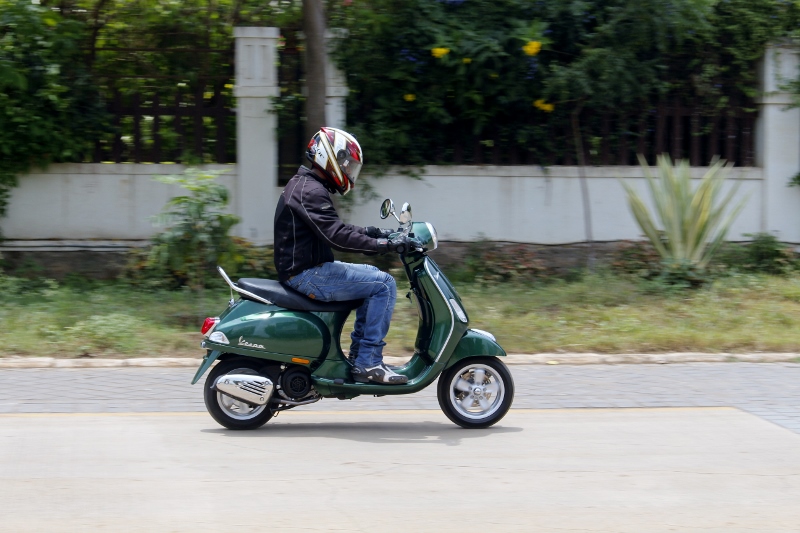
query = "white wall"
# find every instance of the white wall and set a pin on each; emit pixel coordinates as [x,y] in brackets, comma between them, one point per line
[94,201]
[99,202]
[532,204]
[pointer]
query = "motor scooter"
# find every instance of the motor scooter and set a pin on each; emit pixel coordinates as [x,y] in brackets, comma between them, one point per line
[277,349]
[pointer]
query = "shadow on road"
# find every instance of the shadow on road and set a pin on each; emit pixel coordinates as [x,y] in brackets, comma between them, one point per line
[372,432]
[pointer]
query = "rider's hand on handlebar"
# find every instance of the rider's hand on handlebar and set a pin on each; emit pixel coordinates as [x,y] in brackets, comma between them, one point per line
[378,233]
[399,244]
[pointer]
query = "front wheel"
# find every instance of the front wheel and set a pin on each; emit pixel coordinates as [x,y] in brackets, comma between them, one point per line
[476,392]
[230,412]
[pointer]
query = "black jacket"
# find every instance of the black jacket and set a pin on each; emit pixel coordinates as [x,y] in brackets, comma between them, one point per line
[307,227]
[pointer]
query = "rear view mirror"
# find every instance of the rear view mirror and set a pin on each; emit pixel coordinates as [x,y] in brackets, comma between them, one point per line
[387,208]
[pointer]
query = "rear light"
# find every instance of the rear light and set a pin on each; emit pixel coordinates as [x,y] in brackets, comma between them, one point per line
[209,324]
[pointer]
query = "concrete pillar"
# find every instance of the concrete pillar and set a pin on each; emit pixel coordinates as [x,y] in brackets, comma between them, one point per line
[336,87]
[778,144]
[256,131]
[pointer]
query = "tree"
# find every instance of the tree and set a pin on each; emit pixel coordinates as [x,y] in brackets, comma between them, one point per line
[316,52]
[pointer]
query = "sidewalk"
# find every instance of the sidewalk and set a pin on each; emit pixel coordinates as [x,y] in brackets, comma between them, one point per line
[512,359]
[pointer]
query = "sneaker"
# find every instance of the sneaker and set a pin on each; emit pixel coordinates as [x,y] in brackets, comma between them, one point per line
[378,374]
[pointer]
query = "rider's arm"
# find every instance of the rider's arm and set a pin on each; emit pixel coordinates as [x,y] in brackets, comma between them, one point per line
[317,211]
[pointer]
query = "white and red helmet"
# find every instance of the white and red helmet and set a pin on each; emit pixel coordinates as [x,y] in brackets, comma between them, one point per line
[338,155]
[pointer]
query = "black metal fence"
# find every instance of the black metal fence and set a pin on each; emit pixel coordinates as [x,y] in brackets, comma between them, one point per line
[166,105]
[190,118]
[684,131]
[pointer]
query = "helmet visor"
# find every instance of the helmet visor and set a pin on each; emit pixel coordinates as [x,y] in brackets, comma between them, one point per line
[350,166]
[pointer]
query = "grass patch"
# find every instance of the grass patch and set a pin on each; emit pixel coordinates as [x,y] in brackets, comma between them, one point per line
[600,313]
[610,314]
[109,320]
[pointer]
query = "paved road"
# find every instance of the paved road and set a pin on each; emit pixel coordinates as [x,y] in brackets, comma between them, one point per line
[555,470]
[770,391]
[626,448]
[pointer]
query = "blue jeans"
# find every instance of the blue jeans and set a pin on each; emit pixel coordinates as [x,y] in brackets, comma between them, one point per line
[334,282]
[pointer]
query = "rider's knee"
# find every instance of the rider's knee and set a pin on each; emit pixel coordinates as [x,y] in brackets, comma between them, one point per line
[389,283]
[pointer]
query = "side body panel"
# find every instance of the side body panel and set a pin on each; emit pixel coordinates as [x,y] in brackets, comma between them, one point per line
[277,334]
[254,328]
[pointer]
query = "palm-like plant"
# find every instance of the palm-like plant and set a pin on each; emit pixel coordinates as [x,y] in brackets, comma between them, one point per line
[693,222]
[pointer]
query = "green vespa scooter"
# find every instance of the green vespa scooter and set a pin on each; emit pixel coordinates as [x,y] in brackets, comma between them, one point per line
[276,349]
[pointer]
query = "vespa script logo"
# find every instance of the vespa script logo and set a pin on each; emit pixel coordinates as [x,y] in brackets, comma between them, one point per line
[243,342]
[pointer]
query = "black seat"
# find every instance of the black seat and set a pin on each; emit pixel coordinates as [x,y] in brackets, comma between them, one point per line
[289,298]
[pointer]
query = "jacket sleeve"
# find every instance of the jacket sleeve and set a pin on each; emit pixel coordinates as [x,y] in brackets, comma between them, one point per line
[317,211]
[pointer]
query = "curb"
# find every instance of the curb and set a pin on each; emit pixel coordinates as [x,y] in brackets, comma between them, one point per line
[512,359]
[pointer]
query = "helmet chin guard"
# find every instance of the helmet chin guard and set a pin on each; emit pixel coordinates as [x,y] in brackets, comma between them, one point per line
[338,156]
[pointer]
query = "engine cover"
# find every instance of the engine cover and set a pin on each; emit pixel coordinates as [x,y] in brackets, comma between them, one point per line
[296,383]
[255,390]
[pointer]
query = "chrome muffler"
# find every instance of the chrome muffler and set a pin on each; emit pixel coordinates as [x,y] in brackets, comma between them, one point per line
[255,390]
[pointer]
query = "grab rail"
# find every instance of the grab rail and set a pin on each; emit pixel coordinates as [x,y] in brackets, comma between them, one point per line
[236,288]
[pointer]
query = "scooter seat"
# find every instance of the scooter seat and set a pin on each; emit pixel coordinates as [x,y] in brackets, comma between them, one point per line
[286,297]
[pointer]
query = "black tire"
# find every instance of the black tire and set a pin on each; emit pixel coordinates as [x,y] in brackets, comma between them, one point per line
[457,384]
[220,406]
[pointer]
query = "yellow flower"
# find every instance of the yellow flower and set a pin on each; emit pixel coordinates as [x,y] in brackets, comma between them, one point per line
[467,60]
[532,48]
[439,52]
[229,86]
[409,97]
[540,104]
[494,75]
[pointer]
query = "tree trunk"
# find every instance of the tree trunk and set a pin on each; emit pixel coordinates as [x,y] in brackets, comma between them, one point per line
[314,29]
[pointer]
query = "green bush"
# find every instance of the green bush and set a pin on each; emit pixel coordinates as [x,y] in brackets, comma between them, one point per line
[638,258]
[490,263]
[247,261]
[765,254]
[195,237]
[252,261]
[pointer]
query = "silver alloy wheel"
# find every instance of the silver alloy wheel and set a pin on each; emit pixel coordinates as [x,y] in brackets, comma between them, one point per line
[238,409]
[477,391]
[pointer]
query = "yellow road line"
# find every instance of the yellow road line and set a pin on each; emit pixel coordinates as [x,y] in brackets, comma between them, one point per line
[371,412]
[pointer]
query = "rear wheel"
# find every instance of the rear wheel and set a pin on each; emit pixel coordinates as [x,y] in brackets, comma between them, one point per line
[476,392]
[230,412]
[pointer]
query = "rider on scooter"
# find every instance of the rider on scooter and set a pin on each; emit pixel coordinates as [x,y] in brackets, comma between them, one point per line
[307,227]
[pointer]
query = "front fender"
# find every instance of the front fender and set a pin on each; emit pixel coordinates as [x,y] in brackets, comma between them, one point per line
[474,344]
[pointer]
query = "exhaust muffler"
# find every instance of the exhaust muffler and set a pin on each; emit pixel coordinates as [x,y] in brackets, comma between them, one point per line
[255,390]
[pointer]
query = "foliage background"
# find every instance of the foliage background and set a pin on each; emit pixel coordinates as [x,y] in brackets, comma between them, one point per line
[50,108]
[63,63]
[612,56]
[486,88]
